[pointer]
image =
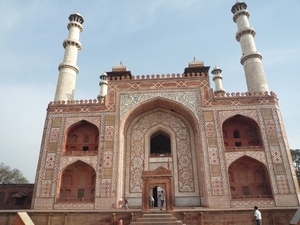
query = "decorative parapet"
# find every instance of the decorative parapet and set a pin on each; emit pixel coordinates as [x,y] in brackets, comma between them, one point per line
[76,102]
[161,76]
[244,94]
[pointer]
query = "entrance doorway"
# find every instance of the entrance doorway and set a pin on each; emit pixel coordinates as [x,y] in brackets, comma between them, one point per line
[155,194]
[153,182]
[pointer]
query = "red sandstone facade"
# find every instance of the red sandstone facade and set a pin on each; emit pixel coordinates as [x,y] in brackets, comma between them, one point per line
[225,150]
[16,196]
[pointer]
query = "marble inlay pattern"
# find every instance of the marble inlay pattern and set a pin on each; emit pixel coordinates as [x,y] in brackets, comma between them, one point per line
[187,98]
[184,156]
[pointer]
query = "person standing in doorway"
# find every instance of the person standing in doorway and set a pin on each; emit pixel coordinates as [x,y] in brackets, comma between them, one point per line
[162,199]
[257,215]
[151,202]
[126,203]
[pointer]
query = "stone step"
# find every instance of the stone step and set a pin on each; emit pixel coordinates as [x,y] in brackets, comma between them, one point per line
[158,223]
[157,219]
[157,214]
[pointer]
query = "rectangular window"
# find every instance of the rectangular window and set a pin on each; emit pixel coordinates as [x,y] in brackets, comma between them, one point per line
[237,144]
[80,193]
[246,190]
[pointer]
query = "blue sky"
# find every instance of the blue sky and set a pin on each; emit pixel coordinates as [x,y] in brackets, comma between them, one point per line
[149,37]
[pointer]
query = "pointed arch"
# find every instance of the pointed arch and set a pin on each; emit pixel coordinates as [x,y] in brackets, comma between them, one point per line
[249,177]
[157,107]
[160,144]
[170,159]
[80,139]
[242,133]
[159,102]
[77,182]
[182,143]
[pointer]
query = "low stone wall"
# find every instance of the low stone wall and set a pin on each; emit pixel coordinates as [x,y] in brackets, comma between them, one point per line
[274,216]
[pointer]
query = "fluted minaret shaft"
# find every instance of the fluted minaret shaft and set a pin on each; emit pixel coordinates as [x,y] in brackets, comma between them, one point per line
[68,69]
[251,58]
[217,78]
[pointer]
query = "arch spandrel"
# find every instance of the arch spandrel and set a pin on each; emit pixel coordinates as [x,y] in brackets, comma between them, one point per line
[89,160]
[224,115]
[70,122]
[186,98]
[231,157]
[157,102]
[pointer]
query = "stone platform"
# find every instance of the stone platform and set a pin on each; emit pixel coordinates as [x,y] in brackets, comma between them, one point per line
[188,216]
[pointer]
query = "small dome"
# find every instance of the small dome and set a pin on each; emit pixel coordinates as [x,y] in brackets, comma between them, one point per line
[216,71]
[77,13]
[119,68]
[196,63]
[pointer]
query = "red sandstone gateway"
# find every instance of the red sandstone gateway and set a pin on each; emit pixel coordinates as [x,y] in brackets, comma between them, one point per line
[215,154]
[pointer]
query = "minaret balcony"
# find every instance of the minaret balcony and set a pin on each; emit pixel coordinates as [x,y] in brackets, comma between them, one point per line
[246,31]
[73,43]
[253,55]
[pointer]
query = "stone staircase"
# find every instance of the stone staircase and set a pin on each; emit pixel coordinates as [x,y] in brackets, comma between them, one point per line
[157,219]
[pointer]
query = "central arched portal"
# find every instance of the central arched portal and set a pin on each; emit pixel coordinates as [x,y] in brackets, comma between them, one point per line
[159,177]
[160,138]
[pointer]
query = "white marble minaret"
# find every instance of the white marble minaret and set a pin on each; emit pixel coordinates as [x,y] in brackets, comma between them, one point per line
[251,58]
[218,80]
[67,69]
[103,87]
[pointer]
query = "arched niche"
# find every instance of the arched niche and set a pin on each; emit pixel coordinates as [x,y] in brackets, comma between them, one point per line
[174,121]
[2,197]
[77,182]
[241,132]
[160,144]
[81,139]
[249,178]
